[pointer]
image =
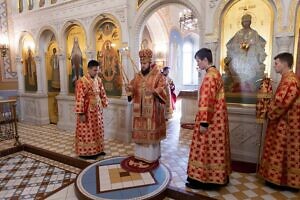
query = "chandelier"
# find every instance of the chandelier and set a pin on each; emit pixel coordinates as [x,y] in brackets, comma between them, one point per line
[187,20]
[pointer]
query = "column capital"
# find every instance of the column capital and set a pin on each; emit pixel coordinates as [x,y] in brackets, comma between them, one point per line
[37,59]
[284,43]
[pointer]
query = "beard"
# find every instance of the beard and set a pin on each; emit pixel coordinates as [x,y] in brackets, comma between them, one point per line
[146,71]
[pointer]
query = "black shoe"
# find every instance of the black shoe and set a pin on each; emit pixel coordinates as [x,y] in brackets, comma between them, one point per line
[94,157]
[192,186]
[102,153]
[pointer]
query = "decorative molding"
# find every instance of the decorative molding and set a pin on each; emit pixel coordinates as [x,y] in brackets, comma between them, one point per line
[284,43]
[121,15]
[212,3]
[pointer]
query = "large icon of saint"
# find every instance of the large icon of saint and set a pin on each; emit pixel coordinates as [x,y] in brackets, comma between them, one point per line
[76,62]
[244,63]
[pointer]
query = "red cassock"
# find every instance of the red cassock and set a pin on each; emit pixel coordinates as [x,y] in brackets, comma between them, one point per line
[90,99]
[280,163]
[209,160]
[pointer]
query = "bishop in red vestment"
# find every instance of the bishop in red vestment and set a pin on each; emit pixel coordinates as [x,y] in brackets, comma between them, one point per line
[209,159]
[148,94]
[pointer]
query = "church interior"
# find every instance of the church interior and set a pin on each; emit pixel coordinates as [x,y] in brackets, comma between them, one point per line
[45,47]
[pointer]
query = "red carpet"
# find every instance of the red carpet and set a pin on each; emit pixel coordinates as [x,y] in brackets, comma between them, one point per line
[133,165]
[187,126]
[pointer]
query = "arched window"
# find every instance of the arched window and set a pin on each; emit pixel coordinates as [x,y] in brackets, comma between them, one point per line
[190,74]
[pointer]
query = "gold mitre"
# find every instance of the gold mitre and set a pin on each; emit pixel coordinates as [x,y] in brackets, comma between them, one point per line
[246,17]
[145,55]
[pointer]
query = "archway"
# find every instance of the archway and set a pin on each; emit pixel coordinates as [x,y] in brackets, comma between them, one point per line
[165,15]
[76,60]
[48,47]
[29,65]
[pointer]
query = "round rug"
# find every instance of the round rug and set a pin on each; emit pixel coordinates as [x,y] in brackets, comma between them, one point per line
[133,165]
[189,126]
[98,181]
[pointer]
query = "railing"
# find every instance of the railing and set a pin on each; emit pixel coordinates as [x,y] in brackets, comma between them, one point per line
[8,121]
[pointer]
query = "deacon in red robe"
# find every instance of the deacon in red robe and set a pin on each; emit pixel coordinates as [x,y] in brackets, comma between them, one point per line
[209,159]
[90,101]
[280,162]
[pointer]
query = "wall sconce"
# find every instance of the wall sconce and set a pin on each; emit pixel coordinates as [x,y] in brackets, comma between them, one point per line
[3,45]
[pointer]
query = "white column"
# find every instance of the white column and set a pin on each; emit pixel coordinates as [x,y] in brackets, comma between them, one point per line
[90,55]
[213,46]
[63,74]
[39,75]
[36,4]
[21,84]
[25,6]
[47,3]
[285,44]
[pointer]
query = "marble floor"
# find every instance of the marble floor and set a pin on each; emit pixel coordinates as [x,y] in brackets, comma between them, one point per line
[175,151]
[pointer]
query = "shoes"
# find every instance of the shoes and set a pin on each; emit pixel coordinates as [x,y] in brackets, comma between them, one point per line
[102,154]
[94,157]
[280,187]
[192,186]
[207,186]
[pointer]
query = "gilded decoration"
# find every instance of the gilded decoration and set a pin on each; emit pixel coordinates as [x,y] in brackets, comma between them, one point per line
[108,43]
[76,59]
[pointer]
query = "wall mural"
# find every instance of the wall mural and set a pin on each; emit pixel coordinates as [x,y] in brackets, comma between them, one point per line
[53,79]
[108,43]
[52,64]
[76,59]
[29,65]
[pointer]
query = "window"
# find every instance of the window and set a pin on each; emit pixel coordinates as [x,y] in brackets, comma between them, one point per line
[190,73]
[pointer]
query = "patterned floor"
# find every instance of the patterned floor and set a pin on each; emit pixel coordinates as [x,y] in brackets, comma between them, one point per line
[175,151]
[27,176]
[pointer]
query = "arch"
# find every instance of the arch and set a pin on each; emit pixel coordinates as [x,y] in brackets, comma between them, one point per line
[98,20]
[45,37]
[22,37]
[66,27]
[149,7]
[225,5]
[81,64]
[41,34]
[153,22]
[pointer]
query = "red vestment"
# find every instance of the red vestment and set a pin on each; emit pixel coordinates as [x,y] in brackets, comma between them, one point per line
[209,160]
[149,125]
[90,99]
[280,162]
